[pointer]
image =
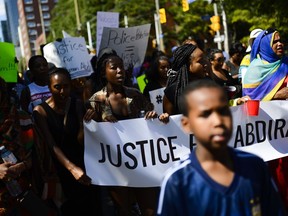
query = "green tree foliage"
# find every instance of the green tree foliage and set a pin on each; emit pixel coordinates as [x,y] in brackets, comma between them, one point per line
[242,17]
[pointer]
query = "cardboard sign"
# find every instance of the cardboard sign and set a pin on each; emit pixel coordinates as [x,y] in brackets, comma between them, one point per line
[72,54]
[105,19]
[156,97]
[129,43]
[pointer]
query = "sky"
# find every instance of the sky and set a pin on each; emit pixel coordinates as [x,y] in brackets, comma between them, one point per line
[2,10]
[2,14]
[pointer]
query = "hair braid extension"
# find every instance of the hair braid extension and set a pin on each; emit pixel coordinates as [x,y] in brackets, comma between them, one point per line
[180,65]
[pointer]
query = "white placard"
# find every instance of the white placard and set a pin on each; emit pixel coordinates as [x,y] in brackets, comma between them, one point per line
[105,19]
[70,53]
[156,97]
[129,43]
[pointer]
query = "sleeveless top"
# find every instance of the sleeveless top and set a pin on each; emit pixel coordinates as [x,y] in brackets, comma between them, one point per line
[38,94]
[135,100]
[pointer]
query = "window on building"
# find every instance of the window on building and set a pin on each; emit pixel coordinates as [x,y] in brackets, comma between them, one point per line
[28,1]
[28,9]
[32,37]
[46,15]
[30,16]
[46,23]
[45,8]
[31,24]
[32,32]
[44,1]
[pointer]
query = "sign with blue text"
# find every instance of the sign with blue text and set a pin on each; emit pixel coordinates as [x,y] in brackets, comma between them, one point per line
[70,53]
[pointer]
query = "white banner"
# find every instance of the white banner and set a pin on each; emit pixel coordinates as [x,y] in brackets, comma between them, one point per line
[105,19]
[70,53]
[137,152]
[129,43]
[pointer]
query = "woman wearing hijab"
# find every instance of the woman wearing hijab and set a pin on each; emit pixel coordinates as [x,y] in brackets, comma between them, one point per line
[266,79]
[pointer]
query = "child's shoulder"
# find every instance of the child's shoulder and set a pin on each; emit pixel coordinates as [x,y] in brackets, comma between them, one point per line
[247,160]
[180,170]
[242,155]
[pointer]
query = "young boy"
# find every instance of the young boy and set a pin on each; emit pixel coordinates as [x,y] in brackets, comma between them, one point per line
[215,179]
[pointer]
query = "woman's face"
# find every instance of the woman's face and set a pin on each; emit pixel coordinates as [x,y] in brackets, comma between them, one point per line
[218,60]
[60,87]
[199,66]
[163,67]
[277,45]
[114,71]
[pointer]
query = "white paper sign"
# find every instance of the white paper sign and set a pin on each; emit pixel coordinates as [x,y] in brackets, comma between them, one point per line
[137,152]
[156,97]
[105,19]
[129,43]
[70,53]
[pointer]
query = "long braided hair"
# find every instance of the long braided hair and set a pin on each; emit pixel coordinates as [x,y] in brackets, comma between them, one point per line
[179,73]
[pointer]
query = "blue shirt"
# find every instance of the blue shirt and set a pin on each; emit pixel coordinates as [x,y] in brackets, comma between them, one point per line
[188,190]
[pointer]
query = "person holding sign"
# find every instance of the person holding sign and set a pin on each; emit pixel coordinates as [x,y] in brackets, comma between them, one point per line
[215,179]
[114,102]
[38,90]
[157,74]
[189,64]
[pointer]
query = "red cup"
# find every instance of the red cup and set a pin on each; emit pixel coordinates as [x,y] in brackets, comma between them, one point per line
[252,107]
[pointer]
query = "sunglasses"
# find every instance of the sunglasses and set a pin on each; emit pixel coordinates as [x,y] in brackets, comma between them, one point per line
[269,31]
[220,59]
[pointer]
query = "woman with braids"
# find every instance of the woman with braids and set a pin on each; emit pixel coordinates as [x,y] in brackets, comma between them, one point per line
[189,64]
[59,120]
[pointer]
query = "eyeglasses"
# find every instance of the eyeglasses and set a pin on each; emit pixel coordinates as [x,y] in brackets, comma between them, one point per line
[220,59]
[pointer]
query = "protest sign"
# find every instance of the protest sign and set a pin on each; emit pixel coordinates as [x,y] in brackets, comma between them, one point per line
[129,43]
[140,151]
[8,66]
[65,34]
[156,97]
[124,158]
[105,19]
[70,53]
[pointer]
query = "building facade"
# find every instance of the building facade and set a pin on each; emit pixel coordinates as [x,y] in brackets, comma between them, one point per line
[12,19]
[34,24]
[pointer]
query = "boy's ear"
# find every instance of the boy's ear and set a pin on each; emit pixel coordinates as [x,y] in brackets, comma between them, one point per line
[185,125]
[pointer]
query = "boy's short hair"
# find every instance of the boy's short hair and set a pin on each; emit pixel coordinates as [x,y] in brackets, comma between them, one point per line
[195,85]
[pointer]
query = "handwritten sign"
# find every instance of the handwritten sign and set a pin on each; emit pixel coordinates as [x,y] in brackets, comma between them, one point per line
[8,66]
[129,43]
[105,19]
[156,97]
[70,53]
